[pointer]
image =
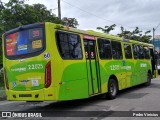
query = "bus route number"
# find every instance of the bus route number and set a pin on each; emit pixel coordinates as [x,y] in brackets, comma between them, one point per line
[35,66]
[114,67]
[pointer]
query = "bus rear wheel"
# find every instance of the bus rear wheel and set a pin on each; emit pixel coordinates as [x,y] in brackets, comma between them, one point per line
[112,89]
[148,79]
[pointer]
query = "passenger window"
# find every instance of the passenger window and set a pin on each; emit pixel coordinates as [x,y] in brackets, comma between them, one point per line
[127,50]
[69,45]
[135,51]
[146,52]
[116,50]
[141,52]
[104,47]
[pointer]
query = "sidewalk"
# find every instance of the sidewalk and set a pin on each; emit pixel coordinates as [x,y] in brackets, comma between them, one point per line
[2,94]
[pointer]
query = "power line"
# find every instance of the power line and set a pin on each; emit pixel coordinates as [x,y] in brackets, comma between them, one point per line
[97,15]
[94,14]
[88,12]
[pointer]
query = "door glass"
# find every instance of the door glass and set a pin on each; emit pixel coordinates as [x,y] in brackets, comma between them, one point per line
[92,49]
[86,48]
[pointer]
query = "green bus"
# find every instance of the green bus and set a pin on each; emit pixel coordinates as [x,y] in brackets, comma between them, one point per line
[51,62]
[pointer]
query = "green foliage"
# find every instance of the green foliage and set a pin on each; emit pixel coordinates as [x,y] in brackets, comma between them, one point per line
[71,22]
[135,35]
[17,13]
[1,78]
[107,29]
[1,57]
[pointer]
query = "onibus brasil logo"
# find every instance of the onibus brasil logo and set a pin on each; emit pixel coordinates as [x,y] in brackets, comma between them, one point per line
[18,114]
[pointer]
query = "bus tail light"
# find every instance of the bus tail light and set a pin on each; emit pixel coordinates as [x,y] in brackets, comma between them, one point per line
[6,79]
[48,74]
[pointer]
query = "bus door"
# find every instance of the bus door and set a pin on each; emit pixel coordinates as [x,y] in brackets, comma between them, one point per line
[128,64]
[92,66]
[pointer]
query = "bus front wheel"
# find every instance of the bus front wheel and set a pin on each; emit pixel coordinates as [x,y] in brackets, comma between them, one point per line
[112,89]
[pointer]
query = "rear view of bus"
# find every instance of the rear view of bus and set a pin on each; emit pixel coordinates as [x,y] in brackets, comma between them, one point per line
[27,67]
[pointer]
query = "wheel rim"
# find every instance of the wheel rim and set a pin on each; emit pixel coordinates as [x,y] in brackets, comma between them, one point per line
[112,88]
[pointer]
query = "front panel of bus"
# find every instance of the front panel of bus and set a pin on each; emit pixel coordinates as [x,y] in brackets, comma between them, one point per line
[27,64]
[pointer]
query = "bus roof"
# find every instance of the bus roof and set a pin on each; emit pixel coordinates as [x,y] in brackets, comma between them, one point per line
[85,32]
[97,34]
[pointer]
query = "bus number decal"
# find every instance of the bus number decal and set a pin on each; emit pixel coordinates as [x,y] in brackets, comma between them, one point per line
[114,67]
[143,65]
[35,66]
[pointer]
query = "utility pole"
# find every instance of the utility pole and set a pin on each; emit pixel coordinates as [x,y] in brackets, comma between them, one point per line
[59,9]
[154,29]
[153,39]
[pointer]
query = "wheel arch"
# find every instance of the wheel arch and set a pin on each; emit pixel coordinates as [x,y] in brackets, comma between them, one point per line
[149,71]
[115,78]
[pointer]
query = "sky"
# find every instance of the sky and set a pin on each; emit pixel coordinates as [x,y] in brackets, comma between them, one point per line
[91,14]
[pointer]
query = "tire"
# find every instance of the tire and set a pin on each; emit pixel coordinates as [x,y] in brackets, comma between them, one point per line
[112,89]
[148,79]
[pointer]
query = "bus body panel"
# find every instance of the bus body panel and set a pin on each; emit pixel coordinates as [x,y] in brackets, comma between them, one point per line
[22,76]
[73,84]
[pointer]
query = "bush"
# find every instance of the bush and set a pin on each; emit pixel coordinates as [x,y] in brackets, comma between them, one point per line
[1,78]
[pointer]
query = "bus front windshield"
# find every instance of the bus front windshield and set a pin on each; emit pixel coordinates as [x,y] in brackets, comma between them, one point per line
[24,42]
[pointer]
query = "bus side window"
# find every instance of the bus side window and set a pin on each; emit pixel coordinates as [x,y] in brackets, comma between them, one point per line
[75,46]
[128,52]
[104,47]
[141,52]
[146,52]
[135,51]
[62,42]
[69,45]
[116,50]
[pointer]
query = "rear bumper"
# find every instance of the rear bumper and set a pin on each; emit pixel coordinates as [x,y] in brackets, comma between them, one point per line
[45,94]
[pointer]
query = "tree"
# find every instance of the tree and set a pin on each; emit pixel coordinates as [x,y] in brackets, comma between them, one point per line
[70,22]
[124,33]
[146,38]
[17,13]
[107,29]
[1,30]
[136,34]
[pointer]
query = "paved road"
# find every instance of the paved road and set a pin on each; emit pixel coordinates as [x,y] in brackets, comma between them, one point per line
[140,98]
